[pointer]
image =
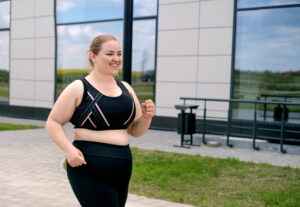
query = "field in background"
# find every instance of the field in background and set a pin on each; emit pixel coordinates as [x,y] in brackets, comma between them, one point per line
[144,90]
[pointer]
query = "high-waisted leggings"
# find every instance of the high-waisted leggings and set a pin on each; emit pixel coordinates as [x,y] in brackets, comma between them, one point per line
[104,180]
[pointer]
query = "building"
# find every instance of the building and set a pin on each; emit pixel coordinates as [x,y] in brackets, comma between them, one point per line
[242,49]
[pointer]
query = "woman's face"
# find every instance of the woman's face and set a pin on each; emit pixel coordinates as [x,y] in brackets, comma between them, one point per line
[109,58]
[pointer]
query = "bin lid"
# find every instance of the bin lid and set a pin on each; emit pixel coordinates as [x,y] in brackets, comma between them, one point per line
[185,106]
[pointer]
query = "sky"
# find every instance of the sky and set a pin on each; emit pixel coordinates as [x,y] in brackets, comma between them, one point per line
[88,10]
[4,14]
[268,40]
[258,3]
[4,35]
[4,46]
[265,40]
[74,40]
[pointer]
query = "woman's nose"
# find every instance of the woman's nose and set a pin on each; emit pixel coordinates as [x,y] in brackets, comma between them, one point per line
[115,57]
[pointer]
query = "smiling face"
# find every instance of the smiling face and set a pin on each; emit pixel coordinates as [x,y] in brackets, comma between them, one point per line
[109,58]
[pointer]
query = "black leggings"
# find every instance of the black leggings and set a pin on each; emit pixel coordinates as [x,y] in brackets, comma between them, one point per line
[104,181]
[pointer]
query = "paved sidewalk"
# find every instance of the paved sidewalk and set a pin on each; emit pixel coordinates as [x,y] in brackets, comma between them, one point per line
[31,173]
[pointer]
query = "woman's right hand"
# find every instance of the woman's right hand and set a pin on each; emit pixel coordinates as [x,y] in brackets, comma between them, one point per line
[75,157]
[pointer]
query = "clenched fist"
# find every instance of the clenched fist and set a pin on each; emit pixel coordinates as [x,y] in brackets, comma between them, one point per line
[148,109]
[75,157]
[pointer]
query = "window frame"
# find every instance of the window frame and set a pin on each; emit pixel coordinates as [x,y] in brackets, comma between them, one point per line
[236,10]
[7,29]
[138,18]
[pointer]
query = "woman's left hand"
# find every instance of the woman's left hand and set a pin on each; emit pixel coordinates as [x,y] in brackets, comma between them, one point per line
[148,109]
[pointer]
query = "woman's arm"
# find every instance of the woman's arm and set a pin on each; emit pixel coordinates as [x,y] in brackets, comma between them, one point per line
[60,114]
[144,115]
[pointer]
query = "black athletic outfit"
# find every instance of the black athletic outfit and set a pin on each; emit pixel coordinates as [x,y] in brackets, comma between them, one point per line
[104,180]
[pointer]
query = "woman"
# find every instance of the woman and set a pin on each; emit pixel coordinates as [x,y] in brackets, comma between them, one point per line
[105,112]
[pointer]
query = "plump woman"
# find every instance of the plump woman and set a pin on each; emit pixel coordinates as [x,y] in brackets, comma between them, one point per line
[104,112]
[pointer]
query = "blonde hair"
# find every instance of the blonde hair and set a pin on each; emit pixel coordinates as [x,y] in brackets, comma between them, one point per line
[97,43]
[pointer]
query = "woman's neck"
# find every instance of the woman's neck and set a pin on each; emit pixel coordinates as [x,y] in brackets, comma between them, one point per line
[99,77]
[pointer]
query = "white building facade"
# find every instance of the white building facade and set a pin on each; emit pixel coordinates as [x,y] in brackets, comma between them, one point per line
[198,50]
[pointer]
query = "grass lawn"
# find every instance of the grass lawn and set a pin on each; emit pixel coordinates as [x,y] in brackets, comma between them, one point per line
[17,127]
[205,181]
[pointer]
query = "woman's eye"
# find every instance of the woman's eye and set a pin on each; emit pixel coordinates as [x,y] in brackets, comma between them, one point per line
[109,54]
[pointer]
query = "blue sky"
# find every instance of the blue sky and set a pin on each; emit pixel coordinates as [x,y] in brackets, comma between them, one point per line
[74,40]
[268,39]
[258,3]
[88,10]
[4,50]
[4,14]
[4,35]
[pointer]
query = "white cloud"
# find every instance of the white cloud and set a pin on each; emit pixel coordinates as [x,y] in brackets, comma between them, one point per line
[287,30]
[117,1]
[114,1]
[143,41]
[73,45]
[89,32]
[145,7]
[74,42]
[72,55]
[4,45]
[74,31]
[273,45]
[64,5]
[4,14]
[61,30]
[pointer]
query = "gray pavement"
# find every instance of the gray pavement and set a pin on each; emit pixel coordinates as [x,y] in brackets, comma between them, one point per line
[31,171]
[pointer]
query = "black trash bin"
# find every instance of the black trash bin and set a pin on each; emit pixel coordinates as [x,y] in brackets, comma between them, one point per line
[189,123]
[186,123]
[278,113]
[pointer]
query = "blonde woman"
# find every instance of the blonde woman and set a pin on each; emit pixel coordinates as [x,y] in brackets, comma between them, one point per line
[104,112]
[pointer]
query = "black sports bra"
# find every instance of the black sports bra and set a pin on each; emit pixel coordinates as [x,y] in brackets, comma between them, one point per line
[99,112]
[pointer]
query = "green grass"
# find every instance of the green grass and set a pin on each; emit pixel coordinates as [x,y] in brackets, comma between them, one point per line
[4,126]
[205,181]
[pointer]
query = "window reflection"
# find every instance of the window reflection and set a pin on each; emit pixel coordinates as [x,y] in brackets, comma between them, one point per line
[267,60]
[261,3]
[4,66]
[72,50]
[73,40]
[143,57]
[144,8]
[68,11]
[4,50]
[4,14]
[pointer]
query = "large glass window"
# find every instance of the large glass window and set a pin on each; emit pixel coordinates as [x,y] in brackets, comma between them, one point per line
[73,45]
[4,50]
[267,58]
[95,17]
[143,57]
[262,3]
[144,8]
[68,11]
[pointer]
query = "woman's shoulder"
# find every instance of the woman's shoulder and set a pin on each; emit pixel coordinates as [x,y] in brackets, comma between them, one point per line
[75,85]
[75,88]
[127,85]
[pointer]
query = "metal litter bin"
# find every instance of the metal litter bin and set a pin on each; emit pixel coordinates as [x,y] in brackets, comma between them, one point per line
[278,113]
[186,122]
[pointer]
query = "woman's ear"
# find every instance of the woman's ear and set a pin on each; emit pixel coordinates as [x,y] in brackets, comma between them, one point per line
[92,56]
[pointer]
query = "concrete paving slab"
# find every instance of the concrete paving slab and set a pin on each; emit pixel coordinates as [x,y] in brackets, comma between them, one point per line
[31,173]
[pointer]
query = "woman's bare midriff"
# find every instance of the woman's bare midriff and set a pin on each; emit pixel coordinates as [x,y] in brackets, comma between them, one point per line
[115,137]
